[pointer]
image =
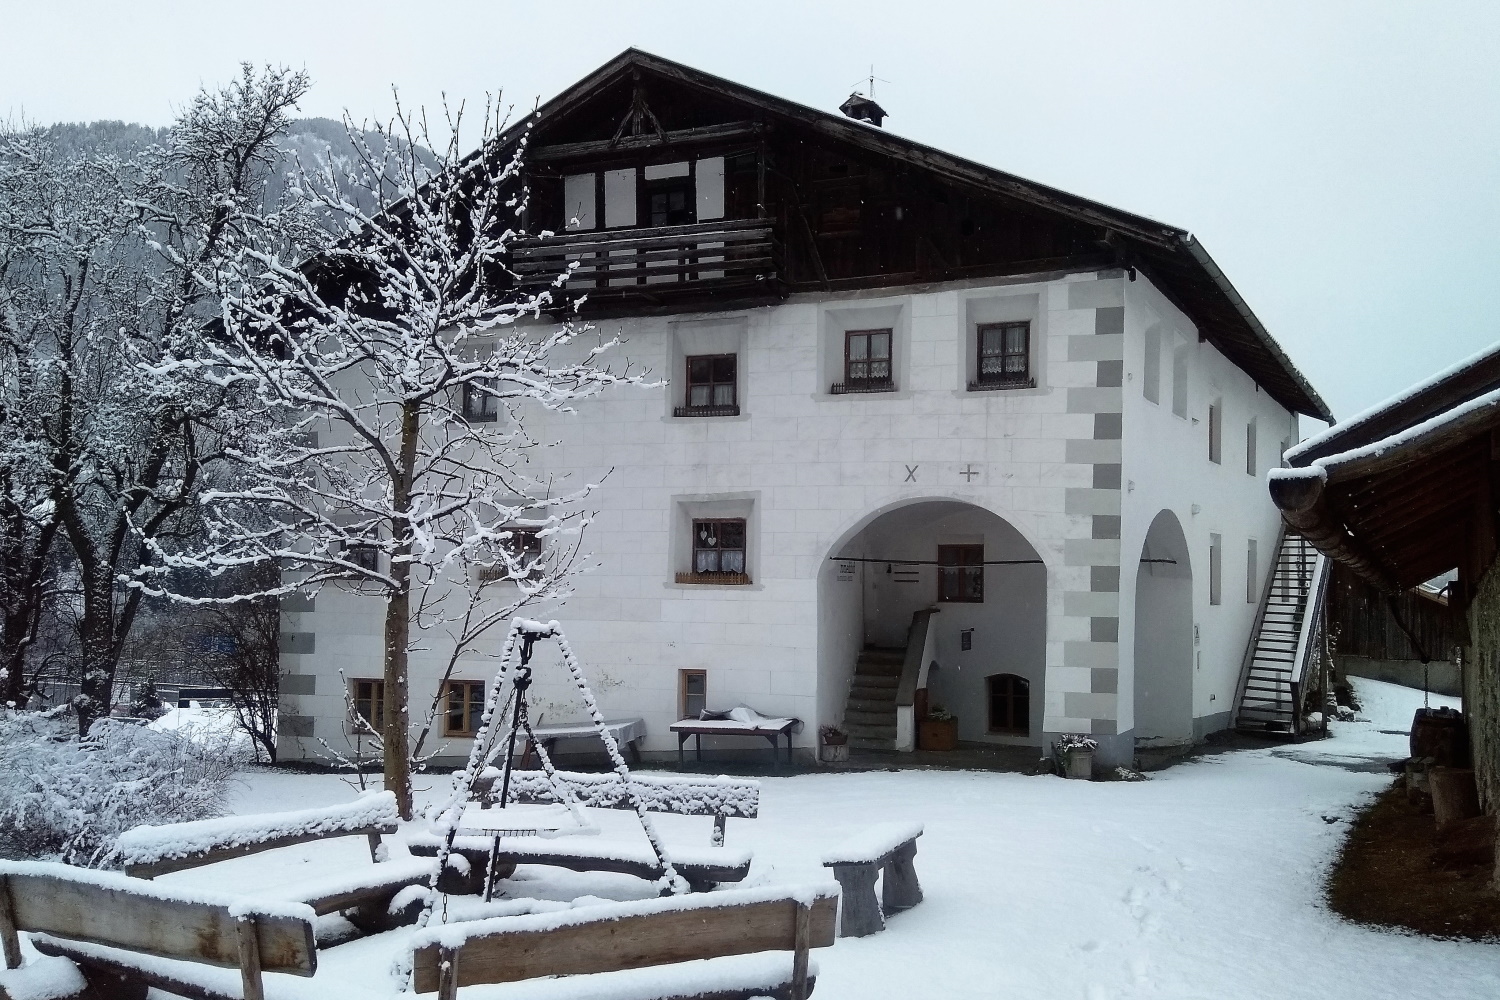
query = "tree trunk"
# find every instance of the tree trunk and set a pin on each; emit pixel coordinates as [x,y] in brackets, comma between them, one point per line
[96,639]
[398,620]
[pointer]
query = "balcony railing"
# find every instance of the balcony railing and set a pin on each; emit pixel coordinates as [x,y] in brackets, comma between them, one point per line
[664,259]
[862,385]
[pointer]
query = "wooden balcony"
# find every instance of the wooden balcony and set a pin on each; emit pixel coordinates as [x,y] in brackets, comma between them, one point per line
[726,256]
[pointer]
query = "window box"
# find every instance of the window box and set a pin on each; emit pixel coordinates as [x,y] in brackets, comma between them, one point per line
[840,388]
[723,579]
[706,411]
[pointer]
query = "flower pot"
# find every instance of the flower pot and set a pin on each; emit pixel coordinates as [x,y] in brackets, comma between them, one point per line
[937,734]
[1079,764]
[834,753]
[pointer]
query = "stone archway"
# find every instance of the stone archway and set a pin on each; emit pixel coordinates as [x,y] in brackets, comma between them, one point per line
[1163,679]
[885,570]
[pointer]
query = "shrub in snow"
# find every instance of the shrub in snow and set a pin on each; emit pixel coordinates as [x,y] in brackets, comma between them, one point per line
[66,799]
[1076,741]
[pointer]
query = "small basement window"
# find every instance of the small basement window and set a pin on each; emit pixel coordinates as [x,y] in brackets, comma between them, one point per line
[867,362]
[718,552]
[465,706]
[1010,705]
[692,693]
[711,387]
[1004,360]
[961,574]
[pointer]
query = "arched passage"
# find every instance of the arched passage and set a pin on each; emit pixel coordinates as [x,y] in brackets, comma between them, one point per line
[1164,635]
[989,587]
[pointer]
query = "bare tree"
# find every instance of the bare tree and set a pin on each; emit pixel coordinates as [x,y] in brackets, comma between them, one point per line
[103,294]
[394,378]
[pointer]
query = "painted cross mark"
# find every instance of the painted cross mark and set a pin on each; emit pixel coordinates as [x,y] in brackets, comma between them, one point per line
[969,472]
[911,474]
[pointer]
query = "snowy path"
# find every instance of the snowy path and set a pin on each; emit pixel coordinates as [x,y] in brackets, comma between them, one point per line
[1201,883]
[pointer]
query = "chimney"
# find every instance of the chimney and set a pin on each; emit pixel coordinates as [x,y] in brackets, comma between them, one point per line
[863,109]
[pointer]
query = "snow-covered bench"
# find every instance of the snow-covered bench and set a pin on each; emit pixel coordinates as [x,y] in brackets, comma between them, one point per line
[718,797]
[721,945]
[702,867]
[888,847]
[126,934]
[149,851]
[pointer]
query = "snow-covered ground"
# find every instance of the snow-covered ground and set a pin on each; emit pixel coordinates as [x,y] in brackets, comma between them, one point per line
[1203,882]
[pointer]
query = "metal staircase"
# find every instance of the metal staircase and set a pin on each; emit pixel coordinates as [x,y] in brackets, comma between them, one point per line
[1283,641]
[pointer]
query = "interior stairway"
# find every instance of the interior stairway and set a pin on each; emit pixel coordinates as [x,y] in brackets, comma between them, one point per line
[1267,699]
[870,716]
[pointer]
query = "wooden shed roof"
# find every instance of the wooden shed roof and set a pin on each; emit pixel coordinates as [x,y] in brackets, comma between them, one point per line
[1404,491]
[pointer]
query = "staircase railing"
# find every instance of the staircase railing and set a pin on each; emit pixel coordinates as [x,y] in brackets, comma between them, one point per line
[1312,621]
[1260,619]
[921,648]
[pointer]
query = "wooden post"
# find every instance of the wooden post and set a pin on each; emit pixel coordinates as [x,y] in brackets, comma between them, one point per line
[8,936]
[447,974]
[719,820]
[489,869]
[374,839]
[801,946]
[249,942]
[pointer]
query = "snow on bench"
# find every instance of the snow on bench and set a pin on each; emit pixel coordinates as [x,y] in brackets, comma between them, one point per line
[872,844]
[111,924]
[148,851]
[719,797]
[859,860]
[611,946]
[703,867]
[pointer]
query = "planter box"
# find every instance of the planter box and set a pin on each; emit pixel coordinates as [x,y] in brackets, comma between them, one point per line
[1079,764]
[935,734]
[834,753]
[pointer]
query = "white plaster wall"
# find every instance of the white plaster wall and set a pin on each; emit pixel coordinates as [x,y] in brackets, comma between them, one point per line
[819,467]
[1166,467]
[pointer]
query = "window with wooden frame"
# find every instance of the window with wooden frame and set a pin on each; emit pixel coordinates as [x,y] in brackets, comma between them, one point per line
[479,406]
[711,388]
[1010,704]
[669,201]
[525,547]
[463,705]
[867,362]
[365,555]
[368,698]
[718,552]
[1004,356]
[961,574]
[692,693]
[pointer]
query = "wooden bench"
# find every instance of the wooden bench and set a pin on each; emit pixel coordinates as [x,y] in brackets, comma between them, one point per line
[118,930]
[602,944]
[149,851]
[627,733]
[703,868]
[886,847]
[719,797]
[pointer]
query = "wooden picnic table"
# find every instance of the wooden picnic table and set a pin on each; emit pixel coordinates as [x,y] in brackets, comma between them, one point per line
[626,732]
[766,728]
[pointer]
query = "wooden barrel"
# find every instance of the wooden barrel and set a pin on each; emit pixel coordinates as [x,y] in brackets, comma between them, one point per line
[1440,733]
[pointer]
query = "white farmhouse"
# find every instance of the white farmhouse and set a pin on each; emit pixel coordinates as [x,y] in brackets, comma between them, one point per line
[931,434]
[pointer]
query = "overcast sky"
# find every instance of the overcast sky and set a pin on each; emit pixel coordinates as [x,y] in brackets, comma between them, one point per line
[1341,161]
